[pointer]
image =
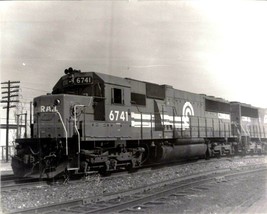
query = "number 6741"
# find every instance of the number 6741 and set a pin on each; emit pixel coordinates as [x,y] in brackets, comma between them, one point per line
[115,115]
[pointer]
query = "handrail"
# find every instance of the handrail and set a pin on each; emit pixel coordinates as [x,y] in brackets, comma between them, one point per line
[66,132]
[245,131]
[75,123]
[76,127]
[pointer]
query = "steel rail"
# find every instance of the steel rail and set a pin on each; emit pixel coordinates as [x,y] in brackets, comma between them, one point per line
[16,184]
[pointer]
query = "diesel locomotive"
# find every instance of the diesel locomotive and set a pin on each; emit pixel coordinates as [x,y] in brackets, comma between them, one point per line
[98,122]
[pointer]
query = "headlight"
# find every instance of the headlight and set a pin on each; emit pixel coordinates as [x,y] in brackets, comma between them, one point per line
[57,102]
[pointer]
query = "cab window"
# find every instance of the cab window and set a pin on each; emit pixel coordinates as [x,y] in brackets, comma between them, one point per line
[117,96]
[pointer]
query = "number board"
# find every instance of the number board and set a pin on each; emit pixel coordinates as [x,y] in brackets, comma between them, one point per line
[83,80]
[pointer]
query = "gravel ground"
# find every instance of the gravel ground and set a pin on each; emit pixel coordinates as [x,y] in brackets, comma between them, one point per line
[233,196]
[97,186]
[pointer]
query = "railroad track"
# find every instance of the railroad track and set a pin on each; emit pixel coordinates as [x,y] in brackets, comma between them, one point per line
[158,194]
[139,199]
[12,183]
[8,177]
[17,185]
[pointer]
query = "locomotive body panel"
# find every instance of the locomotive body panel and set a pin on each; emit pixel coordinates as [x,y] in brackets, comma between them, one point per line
[217,116]
[179,114]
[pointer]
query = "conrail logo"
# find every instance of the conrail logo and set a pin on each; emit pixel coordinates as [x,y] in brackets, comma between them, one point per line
[48,108]
[188,109]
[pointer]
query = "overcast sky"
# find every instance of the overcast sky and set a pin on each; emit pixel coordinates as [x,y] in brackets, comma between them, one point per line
[209,47]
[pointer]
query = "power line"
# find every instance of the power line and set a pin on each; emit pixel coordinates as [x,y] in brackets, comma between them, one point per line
[35,89]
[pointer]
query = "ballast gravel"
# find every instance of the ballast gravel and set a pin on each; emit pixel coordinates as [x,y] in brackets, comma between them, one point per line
[96,185]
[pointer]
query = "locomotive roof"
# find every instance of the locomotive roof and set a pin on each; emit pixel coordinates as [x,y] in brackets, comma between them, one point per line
[106,78]
[110,79]
[215,98]
[243,104]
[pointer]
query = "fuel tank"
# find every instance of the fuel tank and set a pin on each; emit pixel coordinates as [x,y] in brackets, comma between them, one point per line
[182,149]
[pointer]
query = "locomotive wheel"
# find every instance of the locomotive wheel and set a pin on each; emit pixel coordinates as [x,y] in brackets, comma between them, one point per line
[103,172]
[146,154]
[207,155]
[129,167]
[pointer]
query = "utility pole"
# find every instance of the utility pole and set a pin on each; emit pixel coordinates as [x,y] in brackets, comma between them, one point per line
[12,91]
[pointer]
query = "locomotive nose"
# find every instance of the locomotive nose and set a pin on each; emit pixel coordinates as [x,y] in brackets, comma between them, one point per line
[58,111]
[48,112]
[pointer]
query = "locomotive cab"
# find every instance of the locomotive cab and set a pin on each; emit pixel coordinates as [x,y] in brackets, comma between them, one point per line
[104,124]
[84,84]
[82,125]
